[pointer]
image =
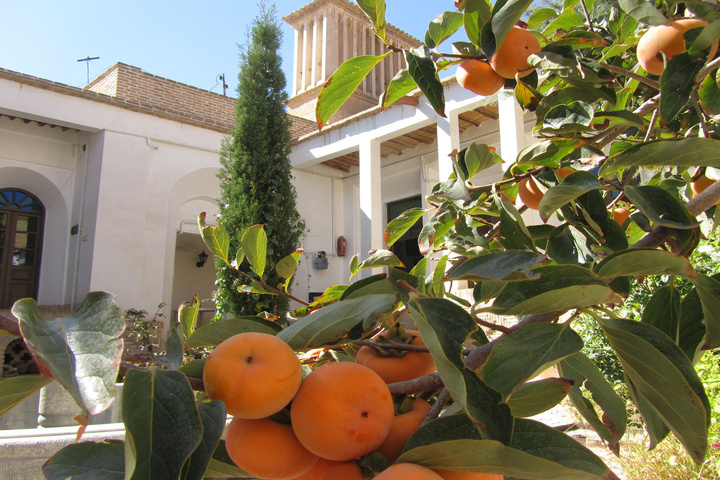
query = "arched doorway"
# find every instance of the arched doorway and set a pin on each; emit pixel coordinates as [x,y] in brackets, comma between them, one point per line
[21,227]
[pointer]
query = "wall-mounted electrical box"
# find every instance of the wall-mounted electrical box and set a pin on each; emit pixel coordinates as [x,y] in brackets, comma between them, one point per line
[321,261]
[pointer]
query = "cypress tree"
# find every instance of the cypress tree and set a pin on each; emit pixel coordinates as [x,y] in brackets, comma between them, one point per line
[255,174]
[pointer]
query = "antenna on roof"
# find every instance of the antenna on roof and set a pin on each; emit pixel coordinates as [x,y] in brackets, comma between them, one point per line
[87,62]
[221,77]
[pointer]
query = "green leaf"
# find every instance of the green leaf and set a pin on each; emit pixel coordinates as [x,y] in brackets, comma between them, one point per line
[710,94]
[548,152]
[478,157]
[14,390]
[432,232]
[574,185]
[476,13]
[87,461]
[286,266]
[655,427]
[568,118]
[507,265]
[443,27]
[664,376]
[338,88]
[512,363]
[254,245]
[692,329]
[423,70]
[559,288]
[400,225]
[708,289]
[330,325]
[505,15]
[514,235]
[662,311]
[660,206]
[378,259]
[188,315]
[82,352]
[585,373]
[644,11]
[681,152]
[638,262]
[173,358]
[215,239]
[568,244]
[213,333]
[213,416]
[400,85]
[620,117]
[163,426]
[444,326]
[533,398]
[540,16]
[375,11]
[676,84]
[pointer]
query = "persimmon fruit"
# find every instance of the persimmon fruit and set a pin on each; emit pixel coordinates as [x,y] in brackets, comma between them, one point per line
[478,77]
[511,57]
[398,369]
[403,426]
[342,411]
[563,172]
[460,475]
[666,40]
[267,449]
[700,184]
[325,469]
[407,471]
[620,215]
[254,374]
[530,193]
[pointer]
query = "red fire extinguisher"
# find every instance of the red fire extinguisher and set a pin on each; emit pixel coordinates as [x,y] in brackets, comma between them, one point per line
[341,246]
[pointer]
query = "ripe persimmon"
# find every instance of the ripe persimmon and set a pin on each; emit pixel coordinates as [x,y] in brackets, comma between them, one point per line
[398,368]
[267,449]
[478,77]
[530,193]
[403,426]
[460,475]
[620,215]
[325,469]
[563,172]
[667,40]
[511,57]
[407,471]
[254,374]
[342,411]
[700,184]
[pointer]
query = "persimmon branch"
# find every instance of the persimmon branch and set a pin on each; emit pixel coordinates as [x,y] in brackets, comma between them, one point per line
[393,346]
[624,71]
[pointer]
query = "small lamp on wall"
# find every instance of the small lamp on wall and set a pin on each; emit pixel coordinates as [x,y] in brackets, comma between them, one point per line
[203,258]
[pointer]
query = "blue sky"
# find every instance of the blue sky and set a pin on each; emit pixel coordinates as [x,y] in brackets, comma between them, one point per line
[188,41]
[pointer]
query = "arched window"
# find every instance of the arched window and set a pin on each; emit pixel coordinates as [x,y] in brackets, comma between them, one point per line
[21,228]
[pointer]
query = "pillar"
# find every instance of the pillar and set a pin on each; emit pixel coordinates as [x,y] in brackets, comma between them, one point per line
[371,212]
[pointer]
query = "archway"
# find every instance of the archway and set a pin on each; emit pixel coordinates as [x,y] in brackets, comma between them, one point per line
[21,229]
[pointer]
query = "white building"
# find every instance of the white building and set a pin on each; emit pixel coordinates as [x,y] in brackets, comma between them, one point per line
[110,178]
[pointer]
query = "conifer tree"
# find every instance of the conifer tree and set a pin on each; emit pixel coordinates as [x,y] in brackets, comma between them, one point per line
[255,174]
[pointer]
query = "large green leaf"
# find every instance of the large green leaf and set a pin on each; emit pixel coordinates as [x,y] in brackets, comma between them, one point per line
[568,244]
[375,11]
[663,311]
[188,315]
[398,226]
[505,15]
[442,28]
[512,362]
[654,425]
[213,417]
[82,352]
[476,158]
[162,423]
[564,119]
[435,229]
[692,329]
[710,94]
[215,238]
[213,333]
[677,83]
[585,373]
[514,235]
[444,327]
[400,85]
[533,398]
[330,324]
[87,461]
[643,11]
[573,186]
[14,390]
[682,152]
[660,206]
[476,13]
[254,245]
[708,289]
[423,70]
[664,376]
[638,262]
[342,84]
[506,265]
[559,288]
[378,259]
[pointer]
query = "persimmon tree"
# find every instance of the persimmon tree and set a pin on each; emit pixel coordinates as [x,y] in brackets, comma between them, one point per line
[630,139]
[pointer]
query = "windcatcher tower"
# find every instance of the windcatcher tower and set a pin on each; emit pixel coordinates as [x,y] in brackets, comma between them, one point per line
[328,32]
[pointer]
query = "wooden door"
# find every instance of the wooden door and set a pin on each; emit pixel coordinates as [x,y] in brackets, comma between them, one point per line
[20,241]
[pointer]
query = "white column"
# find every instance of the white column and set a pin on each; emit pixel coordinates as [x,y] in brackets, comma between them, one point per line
[297,55]
[448,139]
[371,206]
[305,46]
[512,132]
[313,67]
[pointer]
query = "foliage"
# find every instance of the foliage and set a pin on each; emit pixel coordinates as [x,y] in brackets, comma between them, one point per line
[631,139]
[255,174]
[137,322]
